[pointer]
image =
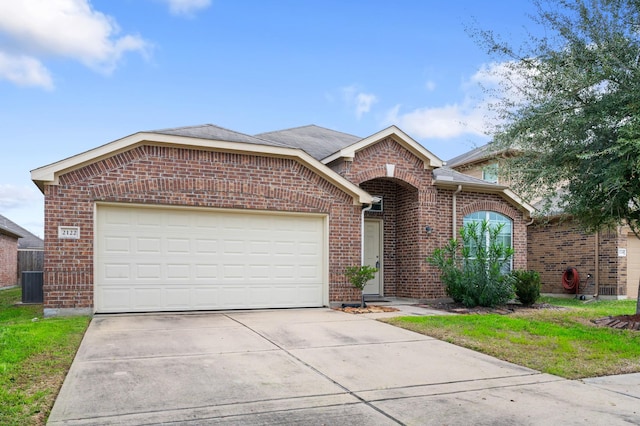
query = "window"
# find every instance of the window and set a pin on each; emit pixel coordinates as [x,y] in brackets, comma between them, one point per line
[506,234]
[490,173]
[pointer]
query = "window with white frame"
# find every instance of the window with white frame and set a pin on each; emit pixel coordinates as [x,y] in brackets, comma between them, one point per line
[495,219]
[490,173]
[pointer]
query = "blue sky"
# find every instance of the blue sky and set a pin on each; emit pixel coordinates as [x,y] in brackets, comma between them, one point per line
[76,74]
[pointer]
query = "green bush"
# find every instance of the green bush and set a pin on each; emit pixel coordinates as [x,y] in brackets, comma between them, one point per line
[359,276]
[473,273]
[527,286]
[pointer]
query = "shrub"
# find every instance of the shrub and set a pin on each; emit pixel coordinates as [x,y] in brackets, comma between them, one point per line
[473,274]
[527,286]
[359,276]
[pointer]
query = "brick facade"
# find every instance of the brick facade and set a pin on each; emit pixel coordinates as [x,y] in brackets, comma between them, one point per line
[196,177]
[8,260]
[184,177]
[411,202]
[557,245]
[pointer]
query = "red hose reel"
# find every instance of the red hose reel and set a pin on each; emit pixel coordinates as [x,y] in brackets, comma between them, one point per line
[571,280]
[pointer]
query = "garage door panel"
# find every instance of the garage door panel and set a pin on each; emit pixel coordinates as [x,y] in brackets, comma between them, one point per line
[117,298]
[178,297]
[117,271]
[117,245]
[151,259]
[179,272]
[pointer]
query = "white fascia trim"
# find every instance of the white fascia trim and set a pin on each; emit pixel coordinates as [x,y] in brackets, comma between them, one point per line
[48,175]
[429,159]
[504,191]
[515,197]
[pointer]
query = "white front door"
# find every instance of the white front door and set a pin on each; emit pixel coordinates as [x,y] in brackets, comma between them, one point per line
[373,254]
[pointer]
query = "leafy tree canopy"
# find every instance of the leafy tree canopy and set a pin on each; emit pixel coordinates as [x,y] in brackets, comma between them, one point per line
[570,105]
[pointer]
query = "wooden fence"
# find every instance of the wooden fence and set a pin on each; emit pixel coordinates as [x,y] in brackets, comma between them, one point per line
[30,260]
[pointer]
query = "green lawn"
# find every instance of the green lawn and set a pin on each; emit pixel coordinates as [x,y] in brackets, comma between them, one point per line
[35,354]
[561,342]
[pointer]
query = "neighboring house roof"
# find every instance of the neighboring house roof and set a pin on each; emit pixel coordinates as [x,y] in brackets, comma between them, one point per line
[477,155]
[26,240]
[316,141]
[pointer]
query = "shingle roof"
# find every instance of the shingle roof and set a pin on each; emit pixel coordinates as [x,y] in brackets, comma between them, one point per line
[209,131]
[27,240]
[316,141]
[448,174]
[478,154]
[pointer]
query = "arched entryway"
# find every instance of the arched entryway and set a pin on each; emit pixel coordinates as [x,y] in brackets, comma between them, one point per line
[390,239]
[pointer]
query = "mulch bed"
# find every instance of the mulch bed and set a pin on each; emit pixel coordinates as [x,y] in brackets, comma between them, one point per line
[622,322]
[369,309]
[507,309]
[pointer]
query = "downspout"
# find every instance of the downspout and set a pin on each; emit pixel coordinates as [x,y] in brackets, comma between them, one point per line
[596,270]
[454,231]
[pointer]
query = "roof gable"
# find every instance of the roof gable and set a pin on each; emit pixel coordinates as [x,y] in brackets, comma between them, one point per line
[198,137]
[348,153]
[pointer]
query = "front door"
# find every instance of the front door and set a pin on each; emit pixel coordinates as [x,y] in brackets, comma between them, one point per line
[373,254]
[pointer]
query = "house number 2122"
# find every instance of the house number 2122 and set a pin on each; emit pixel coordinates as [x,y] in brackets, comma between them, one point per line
[69,232]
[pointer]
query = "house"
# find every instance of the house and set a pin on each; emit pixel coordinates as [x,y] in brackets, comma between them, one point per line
[608,261]
[205,218]
[29,254]
[8,253]
[30,248]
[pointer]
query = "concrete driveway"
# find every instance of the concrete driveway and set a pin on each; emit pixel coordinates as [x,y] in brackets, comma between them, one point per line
[316,367]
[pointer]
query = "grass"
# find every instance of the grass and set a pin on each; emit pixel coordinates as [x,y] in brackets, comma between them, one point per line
[560,342]
[35,355]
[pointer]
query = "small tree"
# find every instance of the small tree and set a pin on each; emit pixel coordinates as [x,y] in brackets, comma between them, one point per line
[476,276]
[359,276]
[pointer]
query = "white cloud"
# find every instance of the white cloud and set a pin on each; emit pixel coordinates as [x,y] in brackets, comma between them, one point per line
[13,196]
[364,102]
[445,122]
[360,100]
[472,114]
[430,85]
[24,71]
[61,28]
[187,7]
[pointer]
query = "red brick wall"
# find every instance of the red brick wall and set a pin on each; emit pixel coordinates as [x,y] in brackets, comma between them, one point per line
[177,176]
[8,260]
[555,246]
[411,202]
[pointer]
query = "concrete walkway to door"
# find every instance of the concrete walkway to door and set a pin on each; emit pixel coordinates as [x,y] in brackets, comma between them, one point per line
[312,367]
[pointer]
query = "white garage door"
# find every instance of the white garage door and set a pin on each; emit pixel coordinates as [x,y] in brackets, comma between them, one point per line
[163,259]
